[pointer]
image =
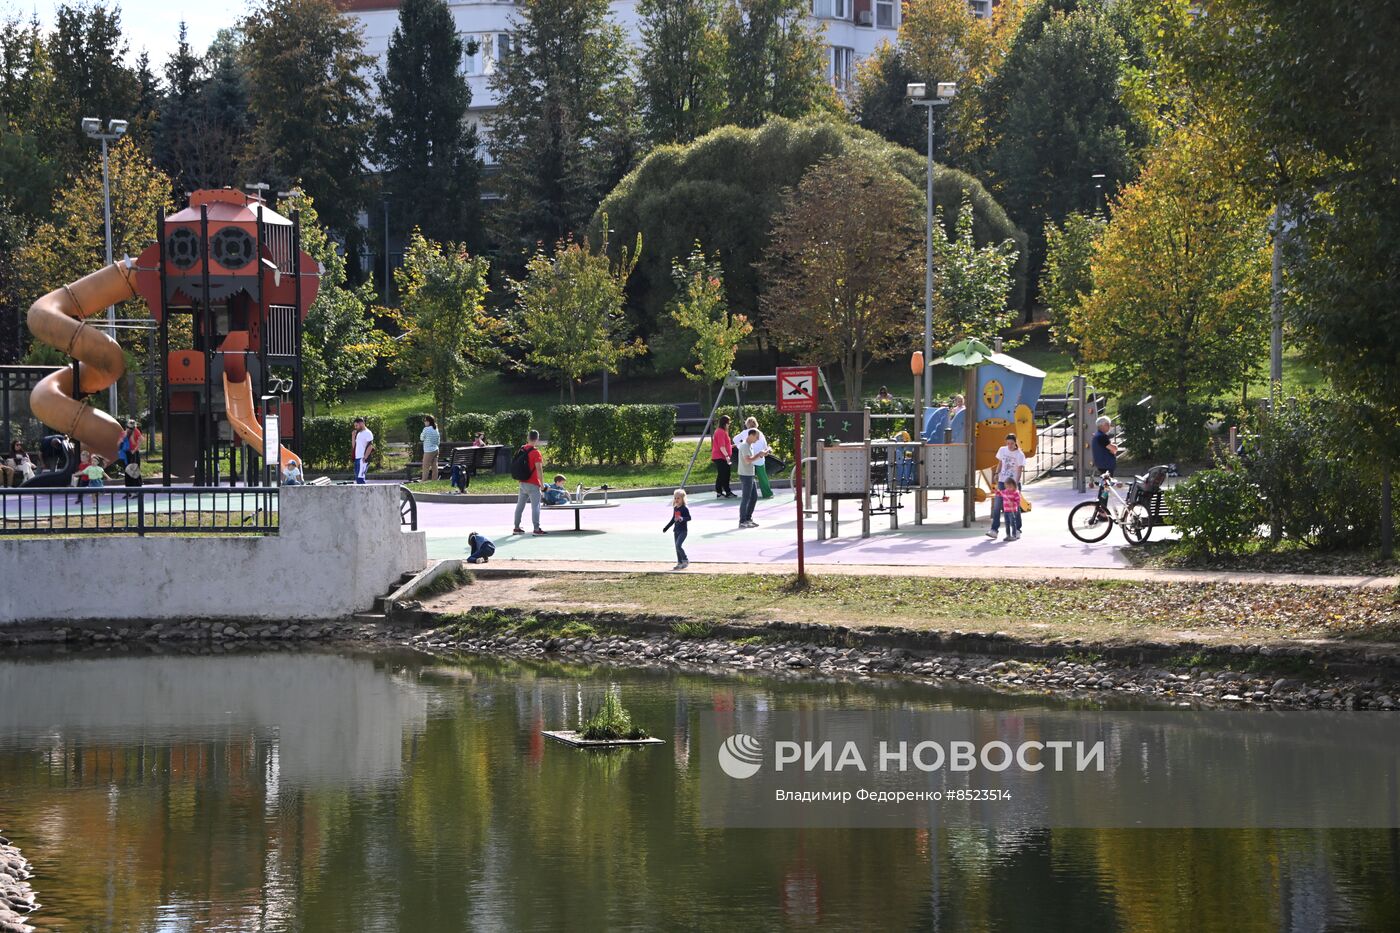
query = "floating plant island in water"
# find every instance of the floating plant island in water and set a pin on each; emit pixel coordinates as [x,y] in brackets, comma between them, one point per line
[610,727]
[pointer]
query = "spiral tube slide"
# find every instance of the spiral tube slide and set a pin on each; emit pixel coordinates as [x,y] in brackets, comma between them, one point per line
[59,319]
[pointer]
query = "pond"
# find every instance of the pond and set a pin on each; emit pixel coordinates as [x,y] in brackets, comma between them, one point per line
[345,791]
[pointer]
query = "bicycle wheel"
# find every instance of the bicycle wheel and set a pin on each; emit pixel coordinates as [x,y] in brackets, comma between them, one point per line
[1137,523]
[1088,523]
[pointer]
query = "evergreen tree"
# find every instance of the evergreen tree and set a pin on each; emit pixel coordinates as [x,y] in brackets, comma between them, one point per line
[775,62]
[681,70]
[426,147]
[306,87]
[90,79]
[562,128]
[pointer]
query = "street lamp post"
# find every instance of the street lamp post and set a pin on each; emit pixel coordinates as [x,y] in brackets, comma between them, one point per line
[1099,204]
[116,129]
[919,96]
[387,279]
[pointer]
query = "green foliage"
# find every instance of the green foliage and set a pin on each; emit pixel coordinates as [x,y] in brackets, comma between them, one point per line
[570,313]
[423,140]
[724,189]
[681,69]
[87,76]
[463,427]
[611,721]
[340,342]
[693,628]
[1314,475]
[306,84]
[448,334]
[775,62]
[1068,276]
[700,309]
[325,443]
[1055,115]
[611,434]
[562,130]
[510,426]
[201,137]
[1215,511]
[1183,435]
[1139,426]
[971,283]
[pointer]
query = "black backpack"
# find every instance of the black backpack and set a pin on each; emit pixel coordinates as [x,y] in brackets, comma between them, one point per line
[520,466]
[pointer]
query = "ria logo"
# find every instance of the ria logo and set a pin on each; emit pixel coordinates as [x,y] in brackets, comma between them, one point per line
[740,756]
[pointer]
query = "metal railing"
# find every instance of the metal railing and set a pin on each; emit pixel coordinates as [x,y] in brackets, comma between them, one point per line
[122,510]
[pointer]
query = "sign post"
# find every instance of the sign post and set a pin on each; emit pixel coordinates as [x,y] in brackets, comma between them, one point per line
[797,395]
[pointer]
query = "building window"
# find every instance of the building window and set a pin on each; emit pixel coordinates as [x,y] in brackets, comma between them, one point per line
[982,8]
[483,50]
[884,14]
[831,9]
[842,61]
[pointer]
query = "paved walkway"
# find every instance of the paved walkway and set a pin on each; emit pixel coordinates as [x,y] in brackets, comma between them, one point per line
[631,532]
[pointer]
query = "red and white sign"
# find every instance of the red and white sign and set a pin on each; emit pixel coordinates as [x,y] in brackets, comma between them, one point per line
[797,389]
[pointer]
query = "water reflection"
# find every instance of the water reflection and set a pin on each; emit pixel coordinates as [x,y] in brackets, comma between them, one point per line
[324,791]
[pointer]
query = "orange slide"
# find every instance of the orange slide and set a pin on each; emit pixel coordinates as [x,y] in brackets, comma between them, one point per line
[59,319]
[238,401]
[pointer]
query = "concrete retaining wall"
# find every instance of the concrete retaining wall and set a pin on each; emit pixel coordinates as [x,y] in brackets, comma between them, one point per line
[338,547]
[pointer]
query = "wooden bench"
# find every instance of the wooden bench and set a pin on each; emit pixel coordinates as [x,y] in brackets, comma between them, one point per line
[470,460]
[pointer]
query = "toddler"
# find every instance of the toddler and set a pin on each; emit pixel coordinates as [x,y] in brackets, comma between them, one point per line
[555,493]
[96,476]
[680,521]
[1011,509]
[482,548]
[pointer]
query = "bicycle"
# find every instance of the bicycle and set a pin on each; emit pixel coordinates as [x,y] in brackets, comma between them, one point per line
[1093,521]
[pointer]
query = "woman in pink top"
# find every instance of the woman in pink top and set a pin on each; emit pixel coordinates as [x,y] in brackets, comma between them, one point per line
[721,450]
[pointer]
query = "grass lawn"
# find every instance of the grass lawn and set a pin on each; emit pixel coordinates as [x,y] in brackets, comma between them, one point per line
[1263,557]
[667,473]
[1100,611]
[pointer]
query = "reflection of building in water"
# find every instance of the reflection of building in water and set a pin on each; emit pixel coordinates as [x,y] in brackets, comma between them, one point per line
[332,719]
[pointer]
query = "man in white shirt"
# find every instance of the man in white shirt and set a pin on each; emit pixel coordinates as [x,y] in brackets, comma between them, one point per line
[363,443]
[1011,464]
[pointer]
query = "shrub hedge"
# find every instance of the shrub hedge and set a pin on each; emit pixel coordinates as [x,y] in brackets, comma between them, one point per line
[1215,511]
[462,428]
[1139,424]
[775,427]
[611,434]
[325,444]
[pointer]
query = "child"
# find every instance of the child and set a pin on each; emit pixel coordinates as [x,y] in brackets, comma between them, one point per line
[1011,509]
[291,475]
[482,549]
[555,493]
[680,520]
[96,476]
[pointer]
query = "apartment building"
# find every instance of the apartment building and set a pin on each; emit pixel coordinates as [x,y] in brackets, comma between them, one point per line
[853,28]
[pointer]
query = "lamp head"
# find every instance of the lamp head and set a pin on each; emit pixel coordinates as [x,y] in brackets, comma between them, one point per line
[117,127]
[916,91]
[947,90]
[92,126]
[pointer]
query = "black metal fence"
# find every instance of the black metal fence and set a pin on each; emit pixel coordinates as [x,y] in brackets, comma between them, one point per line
[122,510]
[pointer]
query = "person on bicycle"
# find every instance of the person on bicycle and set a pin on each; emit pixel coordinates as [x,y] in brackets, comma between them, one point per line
[1102,448]
[1011,464]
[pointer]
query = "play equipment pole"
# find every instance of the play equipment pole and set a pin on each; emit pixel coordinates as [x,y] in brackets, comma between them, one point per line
[969,435]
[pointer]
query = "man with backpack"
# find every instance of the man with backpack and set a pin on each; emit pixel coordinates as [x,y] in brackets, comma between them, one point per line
[525,467]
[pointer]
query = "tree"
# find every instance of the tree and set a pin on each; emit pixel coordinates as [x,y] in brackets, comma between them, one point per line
[724,189]
[340,343]
[1069,251]
[700,308]
[306,66]
[423,140]
[71,243]
[776,62]
[570,310]
[971,282]
[681,69]
[842,270]
[86,53]
[444,306]
[561,126]
[1180,284]
[1055,115]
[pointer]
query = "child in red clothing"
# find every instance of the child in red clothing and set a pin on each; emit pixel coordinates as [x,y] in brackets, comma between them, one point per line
[1011,509]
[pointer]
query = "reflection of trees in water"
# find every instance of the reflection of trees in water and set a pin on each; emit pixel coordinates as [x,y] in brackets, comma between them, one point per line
[485,827]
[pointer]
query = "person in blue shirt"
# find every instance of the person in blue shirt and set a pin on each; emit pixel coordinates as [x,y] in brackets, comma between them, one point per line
[482,549]
[432,440]
[1102,448]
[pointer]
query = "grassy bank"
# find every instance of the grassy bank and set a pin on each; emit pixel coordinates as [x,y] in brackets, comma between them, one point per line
[1058,610]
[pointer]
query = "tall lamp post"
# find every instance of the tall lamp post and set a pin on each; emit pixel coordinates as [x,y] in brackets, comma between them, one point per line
[918,95]
[116,129]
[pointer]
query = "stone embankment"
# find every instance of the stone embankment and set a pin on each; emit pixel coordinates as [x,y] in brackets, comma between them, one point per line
[16,896]
[1243,678]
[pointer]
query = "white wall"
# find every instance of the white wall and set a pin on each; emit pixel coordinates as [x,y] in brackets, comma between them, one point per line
[337,548]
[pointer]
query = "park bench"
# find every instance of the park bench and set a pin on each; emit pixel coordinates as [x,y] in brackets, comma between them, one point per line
[690,419]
